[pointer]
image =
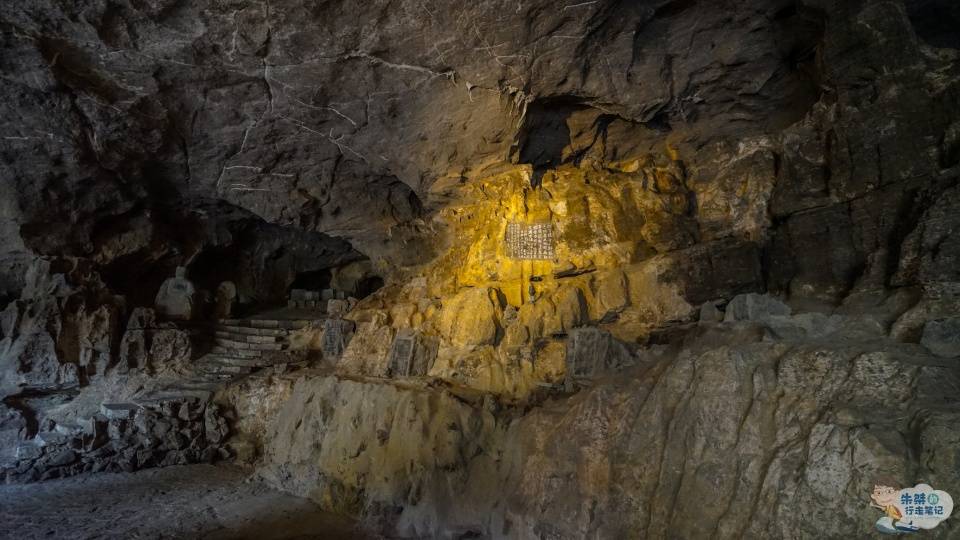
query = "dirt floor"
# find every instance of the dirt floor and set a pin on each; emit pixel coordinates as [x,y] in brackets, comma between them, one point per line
[196,501]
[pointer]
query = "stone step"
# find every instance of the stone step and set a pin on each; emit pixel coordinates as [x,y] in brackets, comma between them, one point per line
[200,384]
[246,330]
[244,346]
[223,369]
[239,360]
[178,394]
[283,324]
[229,351]
[214,361]
[245,338]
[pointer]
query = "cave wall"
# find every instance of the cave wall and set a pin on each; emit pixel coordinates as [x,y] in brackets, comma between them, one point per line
[314,120]
[688,154]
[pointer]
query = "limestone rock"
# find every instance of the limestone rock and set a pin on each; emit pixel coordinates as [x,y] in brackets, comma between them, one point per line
[471,318]
[368,350]
[168,347]
[942,337]
[611,293]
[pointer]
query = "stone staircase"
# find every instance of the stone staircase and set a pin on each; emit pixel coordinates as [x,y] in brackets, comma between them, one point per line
[241,347]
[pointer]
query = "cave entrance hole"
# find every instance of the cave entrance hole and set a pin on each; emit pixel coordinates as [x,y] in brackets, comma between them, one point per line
[367,286]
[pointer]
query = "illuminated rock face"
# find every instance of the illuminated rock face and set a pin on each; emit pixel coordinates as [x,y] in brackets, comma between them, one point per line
[722,439]
[659,269]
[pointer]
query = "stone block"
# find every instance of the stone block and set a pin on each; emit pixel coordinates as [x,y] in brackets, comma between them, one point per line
[113,411]
[51,438]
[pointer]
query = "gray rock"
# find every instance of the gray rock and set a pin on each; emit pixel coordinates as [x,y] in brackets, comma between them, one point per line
[62,458]
[28,451]
[593,353]
[942,337]
[115,411]
[754,307]
[51,438]
[710,314]
[117,430]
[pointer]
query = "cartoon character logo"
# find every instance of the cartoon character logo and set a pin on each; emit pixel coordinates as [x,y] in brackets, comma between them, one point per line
[911,509]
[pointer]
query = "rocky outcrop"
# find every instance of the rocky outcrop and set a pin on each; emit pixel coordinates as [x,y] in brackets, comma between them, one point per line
[660,268]
[121,437]
[723,438]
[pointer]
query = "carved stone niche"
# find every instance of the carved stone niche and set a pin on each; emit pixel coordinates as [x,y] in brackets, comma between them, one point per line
[411,355]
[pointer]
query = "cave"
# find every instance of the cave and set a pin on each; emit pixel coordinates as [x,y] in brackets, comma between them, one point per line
[502,270]
[367,286]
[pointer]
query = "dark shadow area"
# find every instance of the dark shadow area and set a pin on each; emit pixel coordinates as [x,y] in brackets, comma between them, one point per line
[216,242]
[937,22]
[368,286]
[545,133]
[313,280]
[208,502]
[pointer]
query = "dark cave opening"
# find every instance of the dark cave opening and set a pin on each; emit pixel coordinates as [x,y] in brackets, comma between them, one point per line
[138,280]
[545,133]
[936,21]
[312,280]
[368,286]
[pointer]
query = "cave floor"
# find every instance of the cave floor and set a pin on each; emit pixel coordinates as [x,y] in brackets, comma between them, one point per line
[194,501]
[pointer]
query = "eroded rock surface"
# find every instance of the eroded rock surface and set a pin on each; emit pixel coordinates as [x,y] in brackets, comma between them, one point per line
[653,268]
[723,438]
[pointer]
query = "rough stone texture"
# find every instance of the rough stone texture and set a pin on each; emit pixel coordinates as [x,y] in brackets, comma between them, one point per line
[720,440]
[123,437]
[942,337]
[294,112]
[677,152]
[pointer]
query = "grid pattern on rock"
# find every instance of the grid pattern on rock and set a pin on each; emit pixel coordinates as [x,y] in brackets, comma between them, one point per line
[532,241]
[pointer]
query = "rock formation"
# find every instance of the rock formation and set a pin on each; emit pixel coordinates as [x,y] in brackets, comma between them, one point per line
[498,269]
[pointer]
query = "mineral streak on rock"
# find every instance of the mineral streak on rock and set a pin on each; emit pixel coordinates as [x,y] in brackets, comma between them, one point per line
[496,269]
